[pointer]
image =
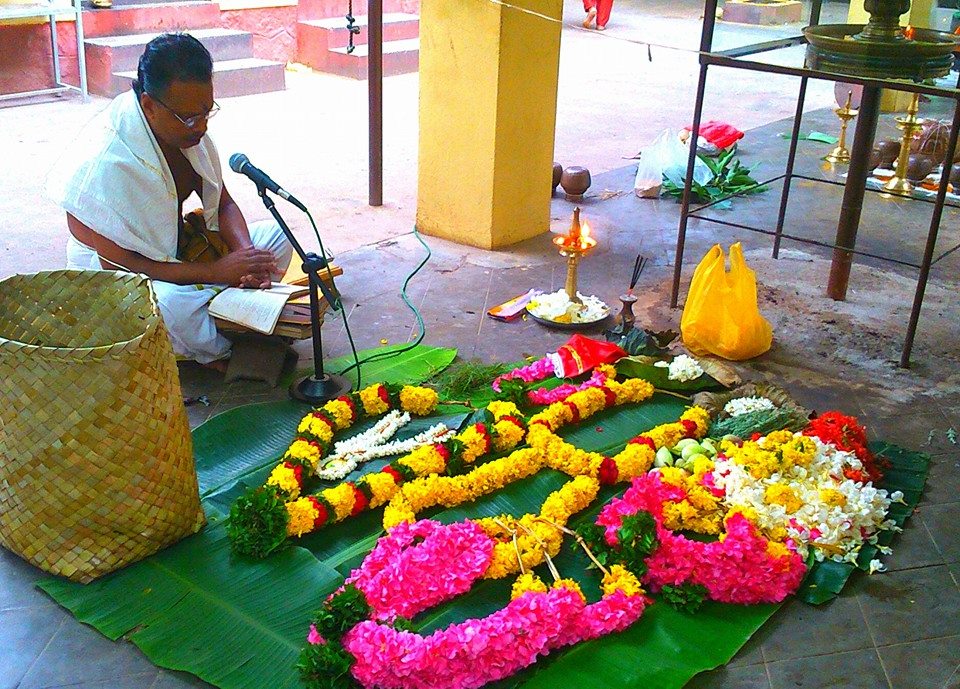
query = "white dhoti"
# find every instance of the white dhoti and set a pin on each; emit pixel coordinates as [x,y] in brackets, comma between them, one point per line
[184,307]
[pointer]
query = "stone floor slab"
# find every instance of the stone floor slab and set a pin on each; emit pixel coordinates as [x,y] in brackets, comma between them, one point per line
[911,605]
[851,670]
[78,653]
[799,630]
[929,664]
[943,522]
[170,679]
[914,547]
[146,680]
[17,579]
[26,632]
[750,654]
[943,482]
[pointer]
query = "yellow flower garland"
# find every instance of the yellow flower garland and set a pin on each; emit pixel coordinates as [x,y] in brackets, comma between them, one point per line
[338,415]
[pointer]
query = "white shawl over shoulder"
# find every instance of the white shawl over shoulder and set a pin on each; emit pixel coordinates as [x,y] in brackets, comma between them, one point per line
[116,182]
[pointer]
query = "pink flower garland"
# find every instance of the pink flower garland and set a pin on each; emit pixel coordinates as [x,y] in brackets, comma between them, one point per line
[559,394]
[479,651]
[538,370]
[739,569]
[399,578]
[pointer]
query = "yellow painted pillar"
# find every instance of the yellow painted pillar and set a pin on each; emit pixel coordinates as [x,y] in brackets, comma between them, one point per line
[919,16]
[488,104]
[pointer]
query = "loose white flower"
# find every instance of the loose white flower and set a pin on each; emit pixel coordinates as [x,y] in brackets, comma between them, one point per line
[557,306]
[876,566]
[745,405]
[832,531]
[682,368]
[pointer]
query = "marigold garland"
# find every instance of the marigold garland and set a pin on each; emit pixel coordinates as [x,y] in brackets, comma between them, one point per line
[254,525]
[377,488]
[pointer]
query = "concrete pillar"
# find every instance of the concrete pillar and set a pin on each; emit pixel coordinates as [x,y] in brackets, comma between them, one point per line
[488,103]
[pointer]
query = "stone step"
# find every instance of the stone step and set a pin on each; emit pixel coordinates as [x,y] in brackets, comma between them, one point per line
[320,9]
[399,57]
[164,16]
[316,38]
[241,77]
[108,55]
[332,32]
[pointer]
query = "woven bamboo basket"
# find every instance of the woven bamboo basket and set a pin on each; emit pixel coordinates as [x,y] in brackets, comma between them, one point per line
[96,459]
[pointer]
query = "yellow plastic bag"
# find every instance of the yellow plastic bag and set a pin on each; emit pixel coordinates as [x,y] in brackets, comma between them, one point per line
[721,315]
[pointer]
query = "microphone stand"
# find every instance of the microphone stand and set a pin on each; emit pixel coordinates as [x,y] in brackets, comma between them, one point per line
[321,386]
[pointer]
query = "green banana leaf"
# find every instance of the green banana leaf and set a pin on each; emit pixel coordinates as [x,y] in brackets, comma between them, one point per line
[408,368]
[658,376]
[225,453]
[227,450]
[235,623]
[240,623]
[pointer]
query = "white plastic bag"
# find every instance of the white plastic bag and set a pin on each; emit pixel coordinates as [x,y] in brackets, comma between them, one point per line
[666,156]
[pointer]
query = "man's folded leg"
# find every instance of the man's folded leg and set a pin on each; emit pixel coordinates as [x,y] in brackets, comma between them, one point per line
[190,326]
[267,235]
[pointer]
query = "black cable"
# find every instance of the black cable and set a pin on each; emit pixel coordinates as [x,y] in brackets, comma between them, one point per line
[338,306]
[416,312]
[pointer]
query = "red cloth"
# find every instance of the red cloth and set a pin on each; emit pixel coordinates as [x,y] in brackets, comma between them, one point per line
[580,354]
[720,134]
[603,8]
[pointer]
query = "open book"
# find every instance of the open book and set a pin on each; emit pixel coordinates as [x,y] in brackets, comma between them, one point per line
[256,309]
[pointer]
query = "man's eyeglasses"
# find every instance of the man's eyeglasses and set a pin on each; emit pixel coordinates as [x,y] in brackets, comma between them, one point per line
[189,122]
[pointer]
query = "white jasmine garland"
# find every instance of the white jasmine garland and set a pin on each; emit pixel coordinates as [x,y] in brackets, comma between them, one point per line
[682,368]
[380,433]
[350,453]
[745,405]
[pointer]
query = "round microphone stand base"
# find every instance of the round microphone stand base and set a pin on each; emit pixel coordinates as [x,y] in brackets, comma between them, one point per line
[317,390]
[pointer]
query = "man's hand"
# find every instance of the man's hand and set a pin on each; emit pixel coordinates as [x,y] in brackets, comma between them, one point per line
[245,268]
[262,281]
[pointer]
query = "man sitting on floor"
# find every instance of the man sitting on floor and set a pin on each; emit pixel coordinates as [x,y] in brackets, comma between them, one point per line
[124,193]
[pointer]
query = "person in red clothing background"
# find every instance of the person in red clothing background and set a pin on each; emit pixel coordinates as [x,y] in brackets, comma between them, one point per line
[597,11]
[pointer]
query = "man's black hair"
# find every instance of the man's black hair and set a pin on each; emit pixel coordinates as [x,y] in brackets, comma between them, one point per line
[172,57]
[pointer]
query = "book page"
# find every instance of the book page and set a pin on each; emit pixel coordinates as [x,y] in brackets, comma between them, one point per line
[257,309]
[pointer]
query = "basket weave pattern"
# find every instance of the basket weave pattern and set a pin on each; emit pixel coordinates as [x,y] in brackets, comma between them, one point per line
[96,459]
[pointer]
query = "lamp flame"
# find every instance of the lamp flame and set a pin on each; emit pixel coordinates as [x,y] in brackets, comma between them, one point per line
[908,32]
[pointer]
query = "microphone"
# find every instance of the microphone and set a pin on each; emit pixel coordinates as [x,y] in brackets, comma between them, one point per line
[241,164]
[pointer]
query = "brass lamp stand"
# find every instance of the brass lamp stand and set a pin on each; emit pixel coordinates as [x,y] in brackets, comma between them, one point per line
[573,246]
[909,125]
[841,155]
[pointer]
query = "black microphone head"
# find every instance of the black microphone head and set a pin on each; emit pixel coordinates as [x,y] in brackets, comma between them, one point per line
[237,161]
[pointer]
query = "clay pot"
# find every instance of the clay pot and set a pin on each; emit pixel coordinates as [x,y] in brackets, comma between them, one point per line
[575,180]
[932,141]
[918,167]
[955,175]
[875,159]
[557,173]
[889,150]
